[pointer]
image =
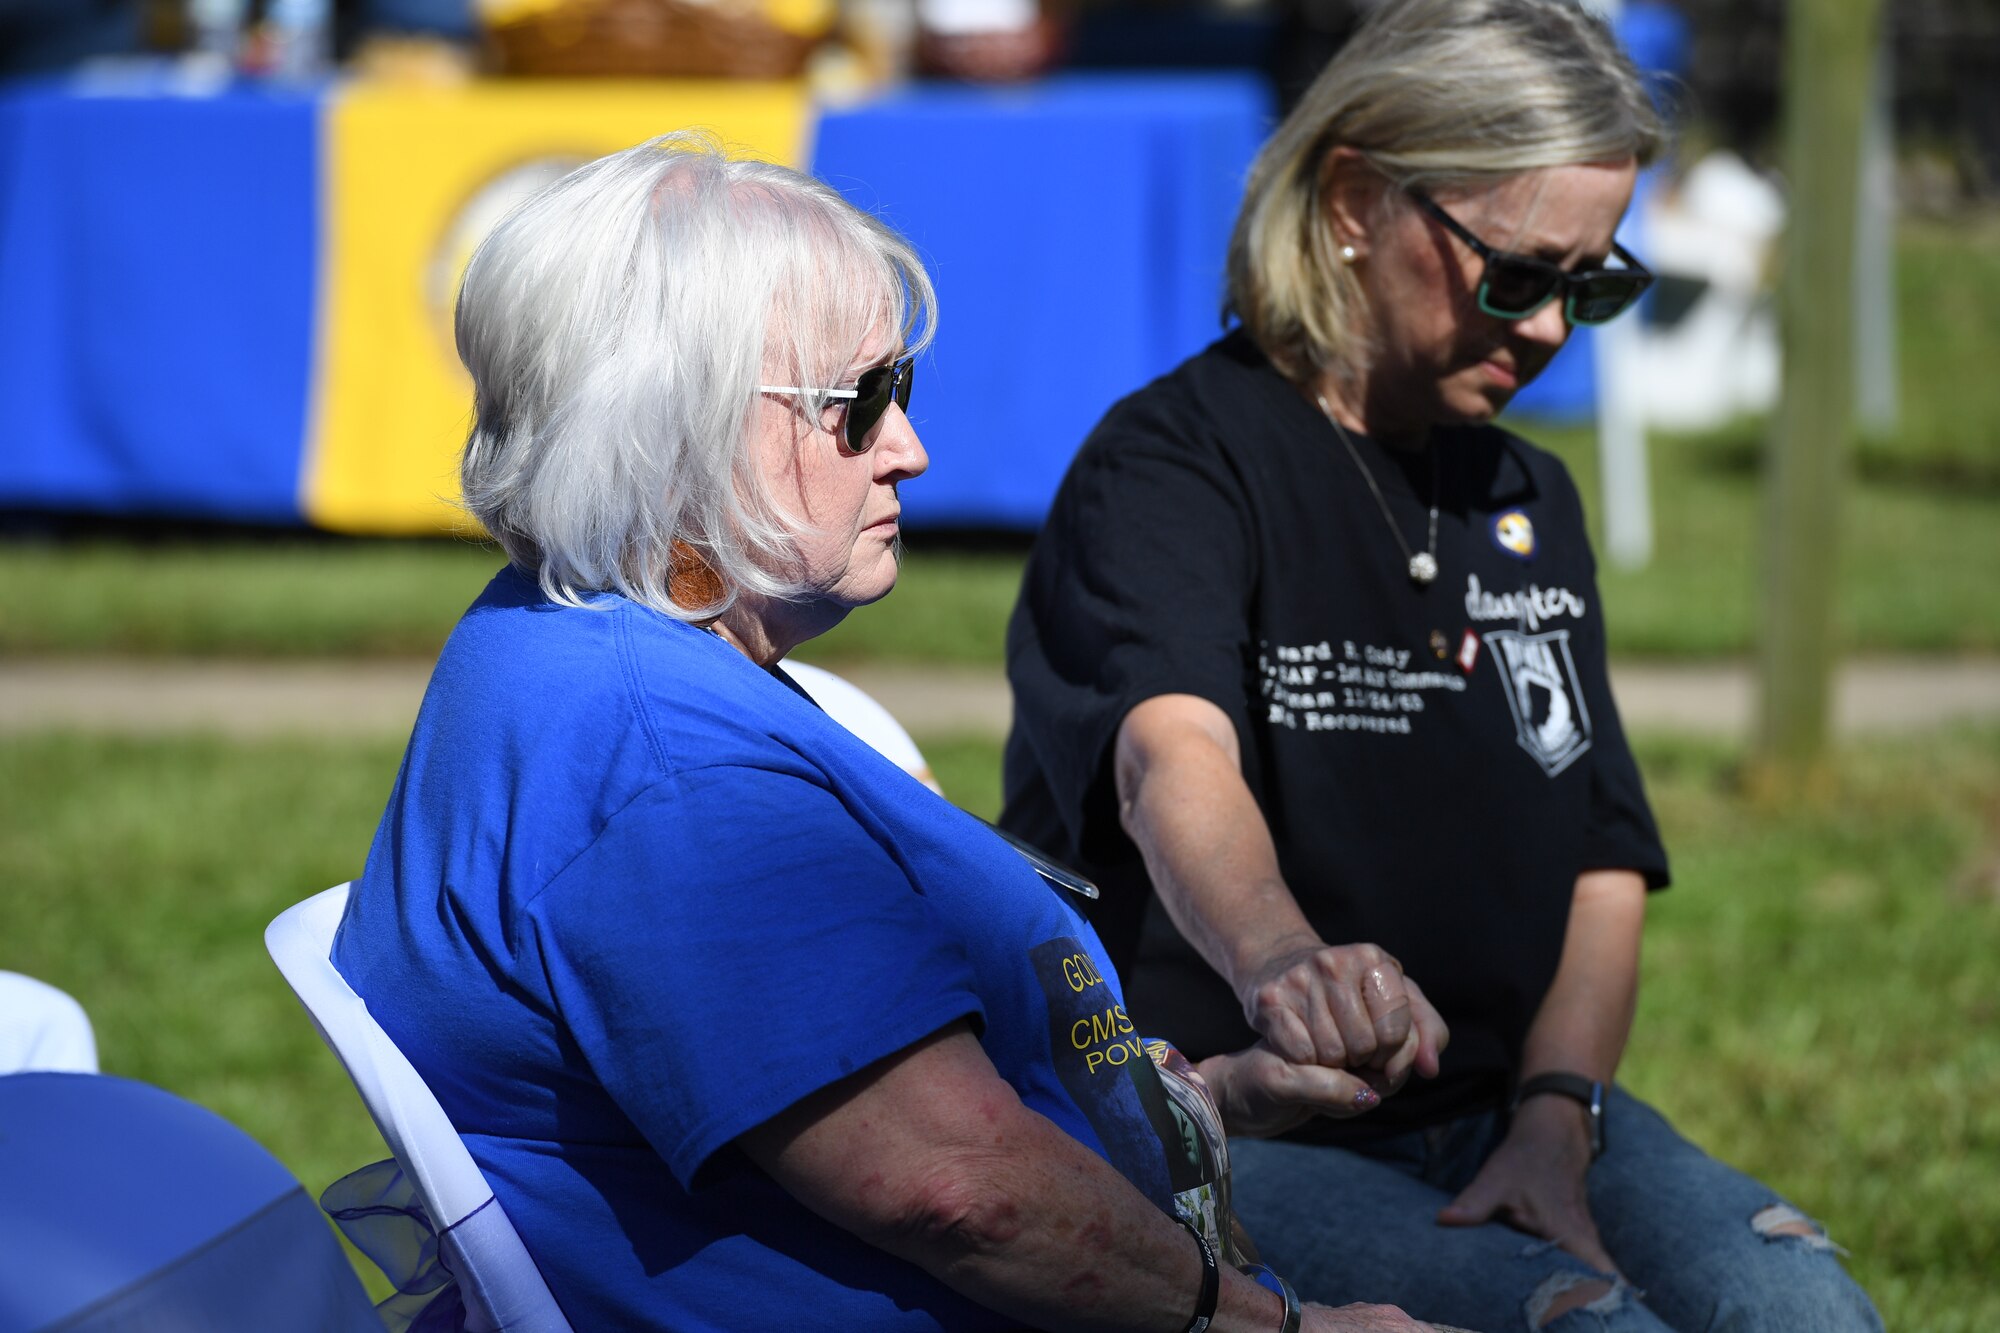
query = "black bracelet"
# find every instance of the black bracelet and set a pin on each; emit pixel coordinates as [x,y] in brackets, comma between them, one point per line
[1586,1091]
[1259,1272]
[1211,1281]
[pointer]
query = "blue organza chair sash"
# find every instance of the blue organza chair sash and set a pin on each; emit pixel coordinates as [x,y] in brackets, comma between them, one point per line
[380,1211]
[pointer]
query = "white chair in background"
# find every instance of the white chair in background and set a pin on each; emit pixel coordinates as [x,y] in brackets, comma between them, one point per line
[501,1288]
[41,1028]
[857,710]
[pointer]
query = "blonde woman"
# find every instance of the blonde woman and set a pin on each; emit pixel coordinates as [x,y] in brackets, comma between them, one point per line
[1309,675]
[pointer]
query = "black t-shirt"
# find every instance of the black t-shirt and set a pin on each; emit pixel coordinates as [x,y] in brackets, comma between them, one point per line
[1437,765]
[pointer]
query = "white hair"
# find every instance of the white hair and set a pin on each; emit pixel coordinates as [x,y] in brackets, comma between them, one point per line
[1440,94]
[617,325]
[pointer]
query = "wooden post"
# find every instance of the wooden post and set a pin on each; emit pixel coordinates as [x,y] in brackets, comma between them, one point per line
[1829,57]
[1877,381]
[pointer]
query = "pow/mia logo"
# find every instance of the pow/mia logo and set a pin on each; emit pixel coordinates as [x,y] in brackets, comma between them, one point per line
[1514,534]
[1538,674]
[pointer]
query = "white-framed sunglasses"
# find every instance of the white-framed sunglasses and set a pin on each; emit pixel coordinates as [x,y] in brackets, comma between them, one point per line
[870,397]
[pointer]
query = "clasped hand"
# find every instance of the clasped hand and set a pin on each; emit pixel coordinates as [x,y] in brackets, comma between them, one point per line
[1345,1007]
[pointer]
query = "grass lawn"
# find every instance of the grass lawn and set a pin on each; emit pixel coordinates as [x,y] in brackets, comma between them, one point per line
[1948,287]
[1822,998]
[286,597]
[1916,559]
[1917,575]
[305,598]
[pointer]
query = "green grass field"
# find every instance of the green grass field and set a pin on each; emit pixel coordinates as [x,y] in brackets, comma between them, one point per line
[1916,559]
[1917,575]
[1821,1001]
[1948,292]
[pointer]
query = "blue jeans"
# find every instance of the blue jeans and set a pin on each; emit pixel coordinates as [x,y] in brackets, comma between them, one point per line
[1703,1246]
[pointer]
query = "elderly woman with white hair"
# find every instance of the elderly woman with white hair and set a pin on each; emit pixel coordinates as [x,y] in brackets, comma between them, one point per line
[748,1027]
[1309,674]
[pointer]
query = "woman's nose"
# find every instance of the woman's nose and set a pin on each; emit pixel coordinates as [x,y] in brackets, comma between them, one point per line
[1548,326]
[899,452]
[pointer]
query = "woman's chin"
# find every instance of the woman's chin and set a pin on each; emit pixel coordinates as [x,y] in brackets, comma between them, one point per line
[1478,407]
[863,589]
[1477,394]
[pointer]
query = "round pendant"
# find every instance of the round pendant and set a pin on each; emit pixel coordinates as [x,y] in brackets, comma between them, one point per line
[1423,569]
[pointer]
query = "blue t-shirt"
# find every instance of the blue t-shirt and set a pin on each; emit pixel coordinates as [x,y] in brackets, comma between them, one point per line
[634,895]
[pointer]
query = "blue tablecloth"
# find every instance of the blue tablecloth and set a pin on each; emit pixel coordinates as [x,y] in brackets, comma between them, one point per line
[156,295]
[1076,233]
[159,279]
[163,278]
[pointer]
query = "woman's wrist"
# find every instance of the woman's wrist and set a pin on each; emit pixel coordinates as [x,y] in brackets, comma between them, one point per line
[1293,1313]
[1211,1282]
[1247,1305]
[1553,1119]
[1253,957]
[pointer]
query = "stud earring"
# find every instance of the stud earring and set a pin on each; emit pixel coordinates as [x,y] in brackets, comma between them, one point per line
[1347,254]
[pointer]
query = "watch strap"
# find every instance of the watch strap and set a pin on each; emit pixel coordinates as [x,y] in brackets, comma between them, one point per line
[1588,1092]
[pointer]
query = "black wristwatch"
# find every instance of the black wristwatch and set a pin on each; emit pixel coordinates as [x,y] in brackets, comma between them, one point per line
[1578,1089]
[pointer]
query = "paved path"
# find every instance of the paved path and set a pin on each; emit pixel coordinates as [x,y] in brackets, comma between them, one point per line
[380,698]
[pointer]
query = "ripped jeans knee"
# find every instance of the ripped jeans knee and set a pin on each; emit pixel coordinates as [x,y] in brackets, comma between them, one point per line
[1584,1294]
[1779,1223]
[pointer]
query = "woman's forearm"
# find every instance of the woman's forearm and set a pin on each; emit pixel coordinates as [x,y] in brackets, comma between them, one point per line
[1585,1018]
[1183,802]
[932,1157]
[1536,1177]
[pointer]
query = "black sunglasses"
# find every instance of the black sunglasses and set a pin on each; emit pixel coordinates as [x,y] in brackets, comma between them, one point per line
[870,397]
[1516,286]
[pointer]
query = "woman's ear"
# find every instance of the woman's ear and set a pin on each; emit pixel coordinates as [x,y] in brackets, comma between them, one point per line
[1350,193]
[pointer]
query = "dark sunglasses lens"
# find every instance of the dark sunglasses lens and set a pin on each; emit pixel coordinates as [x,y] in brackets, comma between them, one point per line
[1604,297]
[870,402]
[874,391]
[1514,290]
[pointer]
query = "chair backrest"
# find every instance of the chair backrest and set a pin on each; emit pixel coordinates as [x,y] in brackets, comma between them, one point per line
[501,1287]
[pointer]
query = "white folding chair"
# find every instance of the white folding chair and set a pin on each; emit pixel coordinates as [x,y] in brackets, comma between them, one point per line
[41,1028]
[502,1289]
[861,713]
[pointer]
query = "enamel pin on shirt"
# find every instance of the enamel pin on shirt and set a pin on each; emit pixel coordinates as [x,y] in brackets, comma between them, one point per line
[1514,534]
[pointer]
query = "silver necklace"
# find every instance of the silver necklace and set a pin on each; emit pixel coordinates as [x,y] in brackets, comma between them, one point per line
[1423,564]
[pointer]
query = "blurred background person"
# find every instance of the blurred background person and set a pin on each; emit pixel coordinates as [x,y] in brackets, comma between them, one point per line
[43,36]
[1309,673]
[456,19]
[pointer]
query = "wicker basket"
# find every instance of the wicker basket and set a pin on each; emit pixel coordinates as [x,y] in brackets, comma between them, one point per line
[650,39]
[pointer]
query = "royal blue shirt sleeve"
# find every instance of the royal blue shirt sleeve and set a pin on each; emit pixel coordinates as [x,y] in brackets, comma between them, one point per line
[734,941]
